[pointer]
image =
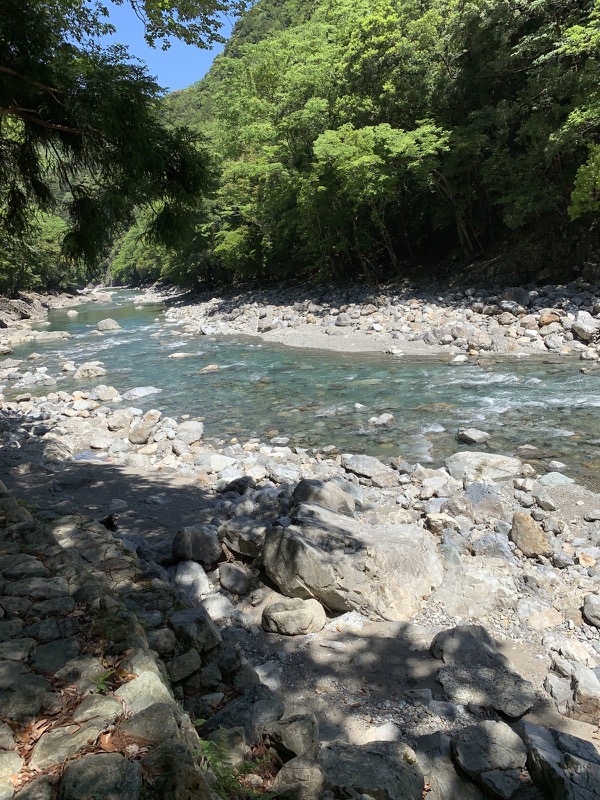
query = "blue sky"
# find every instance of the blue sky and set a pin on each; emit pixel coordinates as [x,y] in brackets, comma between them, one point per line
[175,68]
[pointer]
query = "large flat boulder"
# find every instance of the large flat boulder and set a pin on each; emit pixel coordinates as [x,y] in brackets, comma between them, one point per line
[485,467]
[381,571]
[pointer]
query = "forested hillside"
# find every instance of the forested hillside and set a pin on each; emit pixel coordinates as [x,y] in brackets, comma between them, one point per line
[375,138]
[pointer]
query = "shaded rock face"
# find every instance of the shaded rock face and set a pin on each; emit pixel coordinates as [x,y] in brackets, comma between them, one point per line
[384,770]
[380,571]
[476,672]
[562,766]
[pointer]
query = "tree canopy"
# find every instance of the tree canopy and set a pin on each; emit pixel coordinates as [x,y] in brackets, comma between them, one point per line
[80,130]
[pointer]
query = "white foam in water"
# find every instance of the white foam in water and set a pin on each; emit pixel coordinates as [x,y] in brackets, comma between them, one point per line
[435,427]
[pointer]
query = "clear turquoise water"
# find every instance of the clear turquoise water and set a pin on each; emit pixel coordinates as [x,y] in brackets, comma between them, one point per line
[268,390]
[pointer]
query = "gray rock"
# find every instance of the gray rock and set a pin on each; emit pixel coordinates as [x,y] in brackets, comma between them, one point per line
[88,370]
[163,640]
[140,432]
[586,695]
[181,667]
[529,536]
[382,571]
[214,462]
[300,778]
[108,324]
[141,391]
[106,775]
[50,657]
[190,431]
[83,672]
[197,543]
[591,609]
[365,466]
[255,709]
[475,466]
[60,744]
[294,616]
[195,627]
[39,789]
[98,707]
[382,770]
[21,693]
[586,326]
[555,479]
[191,579]
[156,723]
[433,754]
[234,579]
[143,692]
[478,673]
[297,735]
[324,493]
[563,767]
[219,607]
[472,436]
[244,535]
[38,588]
[492,755]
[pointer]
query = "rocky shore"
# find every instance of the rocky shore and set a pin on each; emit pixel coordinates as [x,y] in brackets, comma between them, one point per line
[461,324]
[343,626]
[185,618]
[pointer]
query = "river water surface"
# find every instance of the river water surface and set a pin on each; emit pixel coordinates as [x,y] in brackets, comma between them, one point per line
[268,390]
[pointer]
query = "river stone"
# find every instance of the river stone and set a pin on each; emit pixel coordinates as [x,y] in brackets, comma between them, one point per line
[197,543]
[382,770]
[591,609]
[88,370]
[364,466]
[293,617]
[107,775]
[234,578]
[380,571]
[140,432]
[190,431]
[555,479]
[119,420]
[472,436]
[244,535]
[191,579]
[108,324]
[324,493]
[528,535]
[492,755]
[485,467]
[141,391]
[586,326]
[563,767]
[214,462]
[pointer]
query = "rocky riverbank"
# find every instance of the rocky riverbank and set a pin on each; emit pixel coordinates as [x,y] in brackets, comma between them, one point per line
[409,321]
[385,629]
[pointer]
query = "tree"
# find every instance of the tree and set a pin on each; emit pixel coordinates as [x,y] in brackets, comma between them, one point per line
[81,122]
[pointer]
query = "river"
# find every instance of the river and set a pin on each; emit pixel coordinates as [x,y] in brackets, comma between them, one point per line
[265,391]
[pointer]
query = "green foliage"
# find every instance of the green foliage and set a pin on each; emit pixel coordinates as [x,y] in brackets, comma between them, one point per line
[355,138]
[80,129]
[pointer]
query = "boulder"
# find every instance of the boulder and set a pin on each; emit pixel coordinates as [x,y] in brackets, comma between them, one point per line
[190,431]
[476,672]
[472,436]
[492,755]
[234,579]
[485,467]
[529,536]
[108,324]
[563,767]
[369,467]
[244,535]
[293,616]
[191,579]
[88,370]
[591,609]
[382,770]
[585,326]
[197,543]
[301,779]
[324,493]
[381,571]
[444,782]
[107,775]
